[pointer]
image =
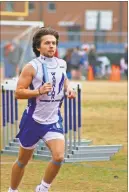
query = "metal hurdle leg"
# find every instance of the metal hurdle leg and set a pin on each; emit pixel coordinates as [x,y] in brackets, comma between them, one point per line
[66,125]
[70,125]
[12,113]
[79,114]
[7,112]
[9,118]
[4,117]
[74,121]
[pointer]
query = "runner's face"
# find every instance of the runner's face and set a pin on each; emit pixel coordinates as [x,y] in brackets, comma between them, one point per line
[48,46]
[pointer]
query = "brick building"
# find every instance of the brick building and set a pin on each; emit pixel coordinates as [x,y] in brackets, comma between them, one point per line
[103,23]
[77,22]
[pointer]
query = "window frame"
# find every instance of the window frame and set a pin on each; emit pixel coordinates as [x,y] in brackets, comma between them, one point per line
[31,10]
[8,3]
[48,7]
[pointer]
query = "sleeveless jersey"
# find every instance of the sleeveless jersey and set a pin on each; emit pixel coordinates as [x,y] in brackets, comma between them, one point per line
[45,108]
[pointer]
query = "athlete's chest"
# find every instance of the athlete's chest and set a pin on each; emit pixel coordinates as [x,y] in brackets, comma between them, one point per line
[55,75]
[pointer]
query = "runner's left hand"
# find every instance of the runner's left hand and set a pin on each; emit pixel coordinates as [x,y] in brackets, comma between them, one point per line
[71,93]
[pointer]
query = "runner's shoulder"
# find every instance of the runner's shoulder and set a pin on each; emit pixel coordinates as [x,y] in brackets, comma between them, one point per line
[28,68]
[62,62]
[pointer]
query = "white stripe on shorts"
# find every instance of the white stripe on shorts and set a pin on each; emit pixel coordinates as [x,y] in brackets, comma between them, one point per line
[52,135]
[29,148]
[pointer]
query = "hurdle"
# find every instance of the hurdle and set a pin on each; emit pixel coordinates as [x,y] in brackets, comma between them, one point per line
[72,120]
[9,113]
[76,148]
[72,116]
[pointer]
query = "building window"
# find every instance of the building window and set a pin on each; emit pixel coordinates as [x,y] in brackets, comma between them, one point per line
[9,6]
[74,33]
[31,6]
[51,7]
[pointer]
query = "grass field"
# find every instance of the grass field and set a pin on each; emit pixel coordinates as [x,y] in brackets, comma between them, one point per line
[104,117]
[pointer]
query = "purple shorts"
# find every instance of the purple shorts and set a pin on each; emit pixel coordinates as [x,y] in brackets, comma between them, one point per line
[31,131]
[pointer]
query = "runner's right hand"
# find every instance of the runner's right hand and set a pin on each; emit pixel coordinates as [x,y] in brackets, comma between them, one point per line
[45,88]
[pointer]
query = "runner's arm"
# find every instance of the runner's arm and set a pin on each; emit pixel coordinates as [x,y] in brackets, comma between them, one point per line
[25,79]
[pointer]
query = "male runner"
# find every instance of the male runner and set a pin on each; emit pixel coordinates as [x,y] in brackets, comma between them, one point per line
[41,119]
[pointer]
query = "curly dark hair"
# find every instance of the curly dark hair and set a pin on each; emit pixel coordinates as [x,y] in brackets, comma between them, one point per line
[39,34]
